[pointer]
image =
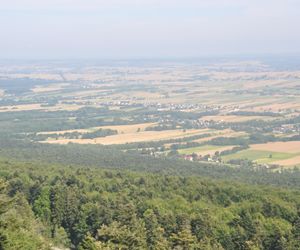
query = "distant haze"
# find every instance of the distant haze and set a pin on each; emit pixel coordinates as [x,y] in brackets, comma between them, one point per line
[152,29]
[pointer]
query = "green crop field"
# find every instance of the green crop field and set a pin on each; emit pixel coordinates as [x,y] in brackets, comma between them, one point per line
[259,156]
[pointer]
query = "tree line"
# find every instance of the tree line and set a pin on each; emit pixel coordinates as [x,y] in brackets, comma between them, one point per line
[90,208]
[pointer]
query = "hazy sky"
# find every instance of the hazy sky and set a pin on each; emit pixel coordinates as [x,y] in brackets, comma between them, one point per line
[145,28]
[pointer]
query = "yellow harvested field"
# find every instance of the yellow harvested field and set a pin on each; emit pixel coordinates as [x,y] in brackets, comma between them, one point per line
[85,93]
[234,118]
[284,147]
[209,138]
[224,133]
[45,76]
[120,128]
[248,75]
[289,162]
[49,88]
[130,128]
[68,107]
[278,106]
[36,106]
[23,107]
[131,137]
[146,95]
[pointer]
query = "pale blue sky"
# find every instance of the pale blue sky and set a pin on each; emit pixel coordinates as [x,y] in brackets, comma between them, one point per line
[144,28]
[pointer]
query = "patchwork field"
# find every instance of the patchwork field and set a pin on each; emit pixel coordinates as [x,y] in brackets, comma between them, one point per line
[219,99]
[285,147]
[281,153]
[29,107]
[204,150]
[130,137]
[122,129]
[275,107]
[259,156]
[293,161]
[234,118]
[49,88]
[226,133]
[24,107]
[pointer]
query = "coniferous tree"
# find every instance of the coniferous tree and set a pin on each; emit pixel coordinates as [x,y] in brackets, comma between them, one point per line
[154,232]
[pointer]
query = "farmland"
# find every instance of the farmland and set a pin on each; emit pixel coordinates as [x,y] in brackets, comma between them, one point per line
[251,109]
[235,118]
[131,137]
[280,153]
[204,150]
[260,156]
[178,139]
[285,147]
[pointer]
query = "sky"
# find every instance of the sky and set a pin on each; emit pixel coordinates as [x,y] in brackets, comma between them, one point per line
[66,29]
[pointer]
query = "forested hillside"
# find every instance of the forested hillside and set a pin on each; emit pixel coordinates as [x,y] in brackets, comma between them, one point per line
[149,125]
[111,157]
[44,206]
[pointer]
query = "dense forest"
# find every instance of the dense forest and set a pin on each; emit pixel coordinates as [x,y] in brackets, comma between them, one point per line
[46,206]
[111,157]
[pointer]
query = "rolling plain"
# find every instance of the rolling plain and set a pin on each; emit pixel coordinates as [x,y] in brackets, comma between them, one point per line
[130,106]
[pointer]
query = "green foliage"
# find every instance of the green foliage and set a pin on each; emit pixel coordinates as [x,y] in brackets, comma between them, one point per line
[90,208]
[112,158]
[154,232]
[19,229]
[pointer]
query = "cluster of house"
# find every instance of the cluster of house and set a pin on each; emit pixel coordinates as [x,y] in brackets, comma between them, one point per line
[197,157]
[286,129]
